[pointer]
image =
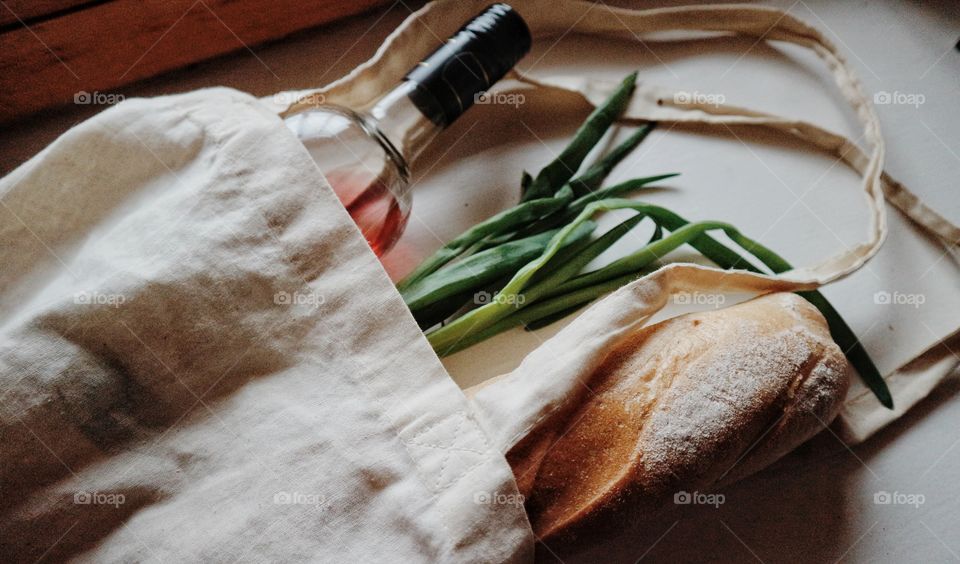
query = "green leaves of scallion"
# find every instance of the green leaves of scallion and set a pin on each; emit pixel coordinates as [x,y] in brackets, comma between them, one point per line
[531,258]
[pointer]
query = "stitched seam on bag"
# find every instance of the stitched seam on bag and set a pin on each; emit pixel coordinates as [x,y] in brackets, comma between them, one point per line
[423,469]
[429,427]
[440,484]
[446,458]
[463,417]
[462,413]
[418,463]
[456,448]
[432,425]
[464,473]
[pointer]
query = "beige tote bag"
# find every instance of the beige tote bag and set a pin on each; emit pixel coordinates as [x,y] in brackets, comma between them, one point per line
[189,373]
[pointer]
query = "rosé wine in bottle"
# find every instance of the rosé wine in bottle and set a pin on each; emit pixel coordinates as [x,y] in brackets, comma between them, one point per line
[364,154]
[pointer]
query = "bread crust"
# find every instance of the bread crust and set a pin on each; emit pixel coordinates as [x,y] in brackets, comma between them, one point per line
[686,405]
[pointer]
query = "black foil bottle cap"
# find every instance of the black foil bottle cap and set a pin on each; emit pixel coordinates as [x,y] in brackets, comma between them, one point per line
[481,53]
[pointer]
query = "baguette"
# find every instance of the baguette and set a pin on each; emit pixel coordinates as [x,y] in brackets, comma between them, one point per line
[686,405]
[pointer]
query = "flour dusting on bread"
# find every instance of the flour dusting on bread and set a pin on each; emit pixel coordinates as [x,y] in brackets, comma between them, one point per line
[690,403]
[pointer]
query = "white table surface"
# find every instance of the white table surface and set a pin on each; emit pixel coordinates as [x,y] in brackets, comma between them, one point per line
[816,505]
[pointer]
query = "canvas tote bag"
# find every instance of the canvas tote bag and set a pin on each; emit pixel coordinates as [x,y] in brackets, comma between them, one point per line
[189,372]
[201,360]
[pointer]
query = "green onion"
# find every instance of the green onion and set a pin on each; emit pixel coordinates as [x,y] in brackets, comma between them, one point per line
[570,292]
[483,317]
[590,180]
[477,271]
[562,169]
[544,313]
[531,255]
[505,220]
[567,214]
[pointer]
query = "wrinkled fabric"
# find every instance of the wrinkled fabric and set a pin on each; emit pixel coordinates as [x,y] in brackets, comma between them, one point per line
[190,374]
[200,359]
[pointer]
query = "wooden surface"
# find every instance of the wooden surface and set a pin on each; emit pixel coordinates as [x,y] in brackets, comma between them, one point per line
[96,48]
[19,12]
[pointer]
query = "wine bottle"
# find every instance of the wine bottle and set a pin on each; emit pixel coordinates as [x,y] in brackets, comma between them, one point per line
[365,154]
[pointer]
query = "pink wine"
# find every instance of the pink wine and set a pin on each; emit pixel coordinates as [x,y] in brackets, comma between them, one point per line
[364,154]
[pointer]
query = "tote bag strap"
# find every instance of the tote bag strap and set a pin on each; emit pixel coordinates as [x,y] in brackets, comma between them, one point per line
[420,33]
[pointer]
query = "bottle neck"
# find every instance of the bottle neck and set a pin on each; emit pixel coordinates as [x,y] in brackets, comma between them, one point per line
[445,84]
[402,123]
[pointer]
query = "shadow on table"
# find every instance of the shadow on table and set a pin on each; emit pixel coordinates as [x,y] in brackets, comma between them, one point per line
[802,509]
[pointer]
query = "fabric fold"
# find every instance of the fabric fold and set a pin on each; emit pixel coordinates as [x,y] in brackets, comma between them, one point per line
[188,371]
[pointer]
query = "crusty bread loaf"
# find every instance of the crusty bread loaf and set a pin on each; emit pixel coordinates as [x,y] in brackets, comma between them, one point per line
[689,404]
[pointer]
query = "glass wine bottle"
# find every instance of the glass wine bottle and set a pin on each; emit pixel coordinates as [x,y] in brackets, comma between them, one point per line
[365,155]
